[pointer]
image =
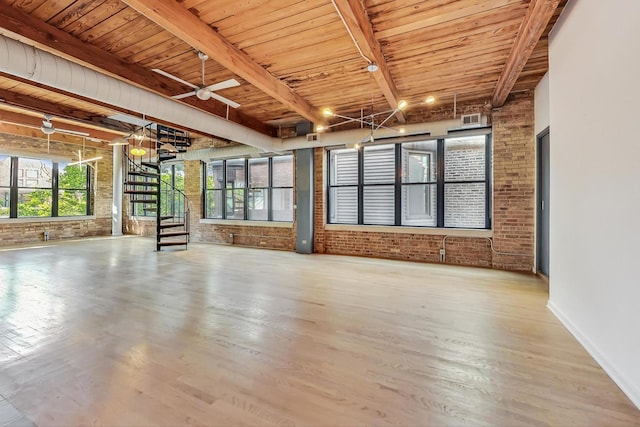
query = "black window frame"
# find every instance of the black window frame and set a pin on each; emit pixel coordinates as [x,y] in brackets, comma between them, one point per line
[14,189]
[225,191]
[440,184]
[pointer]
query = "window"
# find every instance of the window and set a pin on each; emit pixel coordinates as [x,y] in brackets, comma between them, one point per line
[434,183]
[42,188]
[171,191]
[5,186]
[72,190]
[35,185]
[258,189]
[419,184]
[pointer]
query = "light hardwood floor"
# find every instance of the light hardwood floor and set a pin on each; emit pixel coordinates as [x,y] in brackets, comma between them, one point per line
[109,332]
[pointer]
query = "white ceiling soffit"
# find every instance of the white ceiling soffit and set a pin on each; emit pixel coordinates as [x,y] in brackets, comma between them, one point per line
[27,62]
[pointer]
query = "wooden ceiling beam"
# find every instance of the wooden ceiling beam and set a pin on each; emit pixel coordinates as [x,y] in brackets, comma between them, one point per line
[32,31]
[15,123]
[535,21]
[180,22]
[355,18]
[58,110]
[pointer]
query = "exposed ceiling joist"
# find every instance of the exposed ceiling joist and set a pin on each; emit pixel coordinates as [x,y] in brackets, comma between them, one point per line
[24,27]
[173,17]
[14,123]
[356,19]
[538,16]
[39,105]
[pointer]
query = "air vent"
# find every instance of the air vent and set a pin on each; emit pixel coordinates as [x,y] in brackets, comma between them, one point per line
[471,120]
[311,137]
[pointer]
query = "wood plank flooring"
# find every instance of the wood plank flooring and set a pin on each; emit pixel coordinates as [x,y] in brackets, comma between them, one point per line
[109,332]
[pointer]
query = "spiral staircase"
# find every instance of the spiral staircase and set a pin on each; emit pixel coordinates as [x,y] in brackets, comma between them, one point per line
[149,194]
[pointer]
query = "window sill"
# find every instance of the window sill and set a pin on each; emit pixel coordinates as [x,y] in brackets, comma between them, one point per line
[46,219]
[454,232]
[241,222]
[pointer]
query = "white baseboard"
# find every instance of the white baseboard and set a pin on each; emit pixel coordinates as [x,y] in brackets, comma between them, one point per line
[627,388]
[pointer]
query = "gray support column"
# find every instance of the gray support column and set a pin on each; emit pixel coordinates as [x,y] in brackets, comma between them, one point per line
[118,184]
[304,201]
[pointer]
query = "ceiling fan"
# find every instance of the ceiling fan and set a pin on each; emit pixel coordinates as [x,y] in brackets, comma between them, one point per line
[203,92]
[48,129]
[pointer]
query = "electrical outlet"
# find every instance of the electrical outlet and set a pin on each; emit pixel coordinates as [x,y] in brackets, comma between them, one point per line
[442,252]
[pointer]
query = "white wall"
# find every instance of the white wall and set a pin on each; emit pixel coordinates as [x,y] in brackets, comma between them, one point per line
[541,102]
[594,83]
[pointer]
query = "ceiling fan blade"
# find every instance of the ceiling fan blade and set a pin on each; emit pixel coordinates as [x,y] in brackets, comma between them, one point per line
[184,95]
[172,77]
[225,100]
[71,132]
[223,85]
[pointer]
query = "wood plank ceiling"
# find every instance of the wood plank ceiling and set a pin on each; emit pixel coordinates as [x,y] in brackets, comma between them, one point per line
[291,57]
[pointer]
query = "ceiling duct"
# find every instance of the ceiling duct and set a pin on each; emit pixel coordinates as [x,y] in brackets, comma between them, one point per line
[304,128]
[206,154]
[33,64]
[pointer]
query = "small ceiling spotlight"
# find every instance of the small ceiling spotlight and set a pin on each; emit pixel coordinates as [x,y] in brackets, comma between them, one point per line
[327,112]
[402,105]
[372,67]
[320,128]
[430,99]
[402,130]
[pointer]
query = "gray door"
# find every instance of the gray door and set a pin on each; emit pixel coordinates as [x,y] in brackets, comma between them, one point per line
[543,203]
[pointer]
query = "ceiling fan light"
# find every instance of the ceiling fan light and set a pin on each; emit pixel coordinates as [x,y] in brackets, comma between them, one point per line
[138,151]
[47,130]
[203,93]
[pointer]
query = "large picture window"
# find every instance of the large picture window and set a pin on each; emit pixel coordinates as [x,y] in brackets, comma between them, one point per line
[258,189]
[433,183]
[42,188]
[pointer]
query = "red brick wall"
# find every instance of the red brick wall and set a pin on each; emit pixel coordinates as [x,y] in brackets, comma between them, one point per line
[14,231]
[514,180]
[513,202]
[244,235]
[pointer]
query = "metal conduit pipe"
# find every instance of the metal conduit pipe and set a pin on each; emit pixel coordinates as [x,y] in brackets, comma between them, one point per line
[30,63]
[493,250]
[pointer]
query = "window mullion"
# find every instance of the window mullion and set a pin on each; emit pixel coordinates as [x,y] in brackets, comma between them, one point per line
[487,177]
[246,190]
[269,191]
[54,190]
[88,189]
[360,185]
[13,191]
[398,185]
[224,189]
[440,182]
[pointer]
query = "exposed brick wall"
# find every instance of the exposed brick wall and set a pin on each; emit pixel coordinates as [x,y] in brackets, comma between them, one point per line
[513,201]
[319,202]
[244,235]
[514,182]
[14,231]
